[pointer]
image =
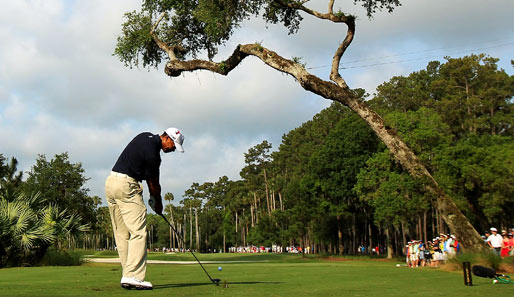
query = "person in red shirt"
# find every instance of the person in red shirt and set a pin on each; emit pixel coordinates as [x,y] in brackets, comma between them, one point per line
[505,245]
[508,245]
[455,244]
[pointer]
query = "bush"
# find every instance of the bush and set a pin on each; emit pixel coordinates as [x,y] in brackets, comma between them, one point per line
[507,265]
[464,257]
[106,253]
[62,258]
[487,259]
[493,260]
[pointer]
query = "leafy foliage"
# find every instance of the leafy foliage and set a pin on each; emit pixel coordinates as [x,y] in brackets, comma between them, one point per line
[335,165]
[196,26]
[392,193]
[137,42]
[372,6]
[61,183]
[470,94]
[10,178]
[476,171]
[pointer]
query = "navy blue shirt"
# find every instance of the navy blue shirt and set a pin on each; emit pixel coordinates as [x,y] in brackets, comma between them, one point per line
[141,158]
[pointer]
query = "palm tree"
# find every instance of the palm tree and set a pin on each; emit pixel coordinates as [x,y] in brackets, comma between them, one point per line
[169,197]
[21,229]
[28,228]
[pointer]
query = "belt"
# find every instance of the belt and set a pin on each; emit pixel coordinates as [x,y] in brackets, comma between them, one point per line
[117,174]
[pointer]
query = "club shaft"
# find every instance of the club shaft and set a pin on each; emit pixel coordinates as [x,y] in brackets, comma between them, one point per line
[184,243]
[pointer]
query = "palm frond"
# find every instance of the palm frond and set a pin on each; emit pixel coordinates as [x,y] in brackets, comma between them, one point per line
[27,240]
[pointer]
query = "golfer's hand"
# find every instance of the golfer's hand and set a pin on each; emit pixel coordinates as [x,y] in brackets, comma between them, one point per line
[155,204]
[158,207]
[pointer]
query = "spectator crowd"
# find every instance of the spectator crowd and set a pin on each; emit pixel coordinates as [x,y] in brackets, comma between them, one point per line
[417,252]
[445,246]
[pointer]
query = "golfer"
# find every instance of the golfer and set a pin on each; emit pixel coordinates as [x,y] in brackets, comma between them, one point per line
[139,161]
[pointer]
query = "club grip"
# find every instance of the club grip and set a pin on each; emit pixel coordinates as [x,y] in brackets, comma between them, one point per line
[151,202]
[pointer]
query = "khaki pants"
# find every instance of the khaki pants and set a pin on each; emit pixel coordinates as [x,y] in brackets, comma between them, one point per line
[128,215]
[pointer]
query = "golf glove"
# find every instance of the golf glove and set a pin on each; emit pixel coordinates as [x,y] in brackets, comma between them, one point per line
[151,202]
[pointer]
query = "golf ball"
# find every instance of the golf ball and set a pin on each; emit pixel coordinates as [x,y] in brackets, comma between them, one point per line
[219,268]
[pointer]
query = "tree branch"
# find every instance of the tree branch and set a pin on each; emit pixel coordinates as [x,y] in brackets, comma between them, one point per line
[340,18]
[336,60]
[157,22]
[308,81]
[175,67]
[331,6]
[169,50]
[349,20]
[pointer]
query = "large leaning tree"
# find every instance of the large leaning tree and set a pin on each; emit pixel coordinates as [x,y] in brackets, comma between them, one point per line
[177,32]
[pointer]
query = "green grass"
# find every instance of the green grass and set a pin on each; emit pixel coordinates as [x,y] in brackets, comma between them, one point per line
[280,275]
[269,257]
[232,257]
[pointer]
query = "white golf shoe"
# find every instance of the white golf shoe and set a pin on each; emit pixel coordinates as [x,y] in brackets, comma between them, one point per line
[132,282]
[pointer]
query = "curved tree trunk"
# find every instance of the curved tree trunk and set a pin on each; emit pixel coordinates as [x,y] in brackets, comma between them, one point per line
[458,223]
[336,90]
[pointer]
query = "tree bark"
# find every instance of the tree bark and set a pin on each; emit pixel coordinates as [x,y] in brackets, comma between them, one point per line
[404,239]
[256,208]
[273,201]
[434,222]
[425,226]
[268,202]
[370,237]
[354,234]
[197,231]
[388,244]
[190,228]
[185,230]
[172,237]
[340,234]
[280,198]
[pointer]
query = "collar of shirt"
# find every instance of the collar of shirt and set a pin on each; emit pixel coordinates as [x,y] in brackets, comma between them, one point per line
[158,141]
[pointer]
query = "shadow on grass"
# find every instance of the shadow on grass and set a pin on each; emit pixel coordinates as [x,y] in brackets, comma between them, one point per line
[156,287]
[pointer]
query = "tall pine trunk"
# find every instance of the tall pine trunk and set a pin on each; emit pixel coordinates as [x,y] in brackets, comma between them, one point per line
[389,244]
[197,230]
[340,234]
[190,228]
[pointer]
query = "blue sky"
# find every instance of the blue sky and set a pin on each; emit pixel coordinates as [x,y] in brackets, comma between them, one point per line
[61,90]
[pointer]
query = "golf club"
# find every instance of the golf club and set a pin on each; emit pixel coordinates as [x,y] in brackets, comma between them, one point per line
[214,280]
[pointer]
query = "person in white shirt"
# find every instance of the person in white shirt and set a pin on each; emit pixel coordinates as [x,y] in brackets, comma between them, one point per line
[449,246]
[495,241]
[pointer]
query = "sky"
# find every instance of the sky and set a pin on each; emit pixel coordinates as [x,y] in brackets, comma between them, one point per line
[62,90]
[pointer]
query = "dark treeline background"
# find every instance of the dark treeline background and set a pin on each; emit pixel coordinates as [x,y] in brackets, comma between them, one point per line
[330,184]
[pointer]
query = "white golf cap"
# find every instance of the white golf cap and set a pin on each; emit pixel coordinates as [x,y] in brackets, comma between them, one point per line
[493,229]
[177,137]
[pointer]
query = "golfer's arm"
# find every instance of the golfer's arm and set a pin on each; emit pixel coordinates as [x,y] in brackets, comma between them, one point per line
[154,187]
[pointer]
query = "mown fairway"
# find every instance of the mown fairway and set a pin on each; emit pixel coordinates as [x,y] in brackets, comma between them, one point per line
[277,276]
